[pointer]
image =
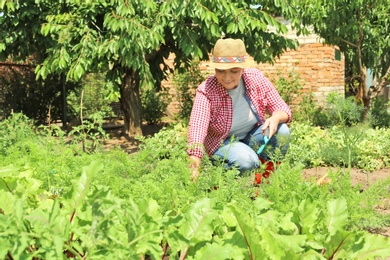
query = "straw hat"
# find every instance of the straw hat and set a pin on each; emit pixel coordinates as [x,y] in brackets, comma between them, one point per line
[230,53]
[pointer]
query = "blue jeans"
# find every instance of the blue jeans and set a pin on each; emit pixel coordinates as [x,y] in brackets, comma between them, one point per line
[241,154]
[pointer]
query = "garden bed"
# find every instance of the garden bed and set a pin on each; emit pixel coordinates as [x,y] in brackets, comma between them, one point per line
[358,177]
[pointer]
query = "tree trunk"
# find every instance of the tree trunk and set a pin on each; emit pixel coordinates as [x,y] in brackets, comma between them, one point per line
[365,97]
[362,95]
[130,99]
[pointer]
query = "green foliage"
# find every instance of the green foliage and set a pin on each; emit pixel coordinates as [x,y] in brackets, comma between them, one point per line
[289,87]
[379,112]
[21,33]
[90,133]
[96,97]
[154,105]
[90,221]
[360,29]
[59,203]
[307,111]
[14,129]
[130,41]
[359,146]
[186,84]
[343,115]
[343,111]
[338,111]
[352,25]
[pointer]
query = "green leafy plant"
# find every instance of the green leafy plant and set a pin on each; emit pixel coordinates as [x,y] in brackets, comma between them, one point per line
[307,111]
[97,96]
[288,87]
[358,146]
[59,203]
[89,221]
[186,83]
[379,114]
[13,129]
[90,133]
[154,105]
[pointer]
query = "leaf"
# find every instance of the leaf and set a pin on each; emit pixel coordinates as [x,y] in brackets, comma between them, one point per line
[339,245]
[148,232]
[79,71]
[18,209]
[312,255]
[262,203]
[9,171]
[336,216]
[281,246]
[2,4]
[38,219]
[250,233]
[6,202]
[151,208]
[219,252]
[286,224]
[308,216]
[198,222]
[231,28]
[82,185]
[144,228]
[228,217]
[234,238]
[375,246]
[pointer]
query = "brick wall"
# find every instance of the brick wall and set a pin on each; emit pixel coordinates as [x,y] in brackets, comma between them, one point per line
[317,66]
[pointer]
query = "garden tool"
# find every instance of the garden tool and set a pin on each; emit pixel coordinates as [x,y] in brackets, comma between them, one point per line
[266,139]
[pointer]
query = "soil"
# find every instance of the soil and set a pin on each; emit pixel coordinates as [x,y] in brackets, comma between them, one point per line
[358,176]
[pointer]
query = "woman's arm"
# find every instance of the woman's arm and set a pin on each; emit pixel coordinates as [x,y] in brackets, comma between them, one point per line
[272,122]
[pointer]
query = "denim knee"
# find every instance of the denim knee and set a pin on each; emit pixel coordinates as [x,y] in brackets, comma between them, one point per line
[283,129]
[247,161]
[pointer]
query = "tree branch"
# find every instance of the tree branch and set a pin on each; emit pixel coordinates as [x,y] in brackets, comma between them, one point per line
[349,43]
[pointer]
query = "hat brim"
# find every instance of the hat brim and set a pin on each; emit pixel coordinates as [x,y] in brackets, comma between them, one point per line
[249,63]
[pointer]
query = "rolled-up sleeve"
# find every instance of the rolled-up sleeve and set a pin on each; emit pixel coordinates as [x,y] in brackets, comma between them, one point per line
[198,125]
[275,102]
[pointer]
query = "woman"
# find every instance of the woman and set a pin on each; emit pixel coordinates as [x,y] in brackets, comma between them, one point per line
[228,116]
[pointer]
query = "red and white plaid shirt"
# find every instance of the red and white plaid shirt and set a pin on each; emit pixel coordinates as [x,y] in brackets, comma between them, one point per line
[212,111]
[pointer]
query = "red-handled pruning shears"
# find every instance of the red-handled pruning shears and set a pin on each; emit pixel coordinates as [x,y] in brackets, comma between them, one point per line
[266,139]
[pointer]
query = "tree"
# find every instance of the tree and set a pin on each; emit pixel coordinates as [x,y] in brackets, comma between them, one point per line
[361,30]
[21,40]
[130,39]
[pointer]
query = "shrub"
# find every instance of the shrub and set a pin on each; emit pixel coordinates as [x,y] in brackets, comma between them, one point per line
[17,127]
[344,111]
[154,105]
[307,109]
[379,115]
[338,110]
[95,96]
[289,87]
[186,84]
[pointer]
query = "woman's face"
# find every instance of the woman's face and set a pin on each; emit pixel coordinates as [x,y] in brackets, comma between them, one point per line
[228,78]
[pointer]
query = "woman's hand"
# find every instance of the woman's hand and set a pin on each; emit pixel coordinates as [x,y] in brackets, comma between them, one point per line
[194,165]
[272,122]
